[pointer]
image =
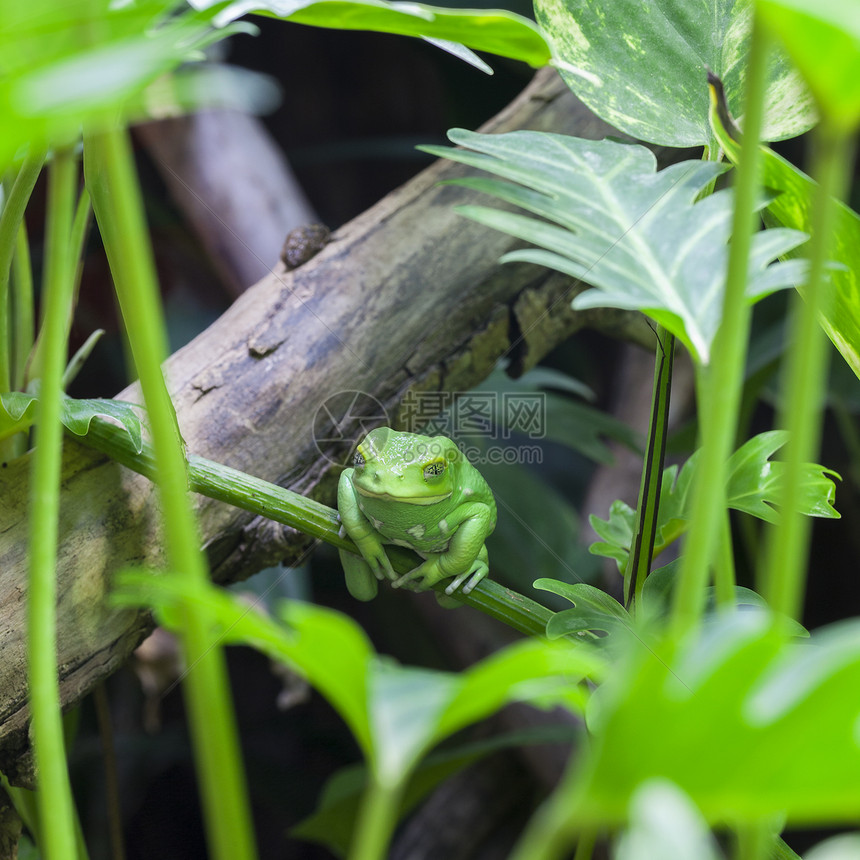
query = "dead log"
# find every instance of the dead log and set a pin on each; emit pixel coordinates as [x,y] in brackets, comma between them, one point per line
[407,297]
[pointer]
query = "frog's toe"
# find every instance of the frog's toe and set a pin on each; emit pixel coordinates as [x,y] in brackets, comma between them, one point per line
[476,578]
[406,579]
[471,578]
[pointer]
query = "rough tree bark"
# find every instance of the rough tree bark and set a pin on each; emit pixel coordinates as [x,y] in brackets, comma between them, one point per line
[408,297]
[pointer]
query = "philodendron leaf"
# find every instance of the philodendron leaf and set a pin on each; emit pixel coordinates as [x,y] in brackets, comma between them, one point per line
[635,234]
[396,713]
[494,30]
[664,823]
[616,533]
[594,610]
[18,411]
[747,723]
[755,481]
[822,37]
[753,486]
[641,66]
[792,207]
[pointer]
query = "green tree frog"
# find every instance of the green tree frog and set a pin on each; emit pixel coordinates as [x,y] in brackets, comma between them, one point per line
[419,492]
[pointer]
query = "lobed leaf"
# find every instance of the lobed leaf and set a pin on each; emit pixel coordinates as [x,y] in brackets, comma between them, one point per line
[594,610]
[747,724]
[609,218]
[641,66]
[396,713]
[18,411]
[753,486]
[329,649]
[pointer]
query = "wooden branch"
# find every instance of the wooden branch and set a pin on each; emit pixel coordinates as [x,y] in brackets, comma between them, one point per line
[407,297]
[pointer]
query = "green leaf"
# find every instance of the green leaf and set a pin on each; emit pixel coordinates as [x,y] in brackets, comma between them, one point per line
[716,715]
[18,411]
[635,234]
[68,64]
[641,66]
[395,713]
[755,481]
[327,648]
[822,37]
[753,486]
[333,821]
[494,30]
[792,207]
[594,610]
[616,533]
[664,823]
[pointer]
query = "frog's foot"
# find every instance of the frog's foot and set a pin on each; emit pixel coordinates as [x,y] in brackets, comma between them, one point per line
[360,578]
[420,578]
[427,574]
[374,555]
[479,569]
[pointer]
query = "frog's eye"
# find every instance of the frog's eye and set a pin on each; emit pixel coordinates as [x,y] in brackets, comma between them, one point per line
[358,460]
[433,471]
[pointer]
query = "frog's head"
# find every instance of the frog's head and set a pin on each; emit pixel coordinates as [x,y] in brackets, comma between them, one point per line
[405,467]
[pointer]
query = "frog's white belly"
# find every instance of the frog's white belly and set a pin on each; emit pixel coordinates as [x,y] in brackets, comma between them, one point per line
[408,525]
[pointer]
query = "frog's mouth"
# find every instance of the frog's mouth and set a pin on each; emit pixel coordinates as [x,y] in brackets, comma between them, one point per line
[407,500]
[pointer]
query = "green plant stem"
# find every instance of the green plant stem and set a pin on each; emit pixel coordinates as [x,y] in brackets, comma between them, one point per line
[54,792]
[22,309]
[26,806]
[24,802]
[724,575]
[119,210]
[648,505]
[242,490]
[10,219]
[754,842]
[585,845]
[79,232]
[781,851]
[14,340]
[806,379]
[719,386]
[377,819]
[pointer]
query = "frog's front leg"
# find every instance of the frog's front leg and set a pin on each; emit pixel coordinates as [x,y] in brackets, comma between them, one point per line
[360,573]
[465,559]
